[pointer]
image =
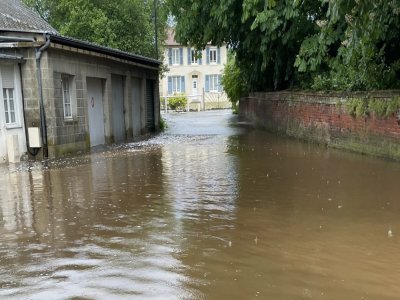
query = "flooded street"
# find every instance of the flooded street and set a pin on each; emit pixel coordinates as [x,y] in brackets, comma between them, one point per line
[207,210]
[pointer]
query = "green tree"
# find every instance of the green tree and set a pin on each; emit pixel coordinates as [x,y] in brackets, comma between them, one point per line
[323,44]
[127,25]
[233,81]
[356,47]
[265,35]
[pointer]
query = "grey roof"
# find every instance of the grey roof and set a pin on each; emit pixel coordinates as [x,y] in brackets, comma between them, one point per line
[171,38]
[68,41]
[16,16]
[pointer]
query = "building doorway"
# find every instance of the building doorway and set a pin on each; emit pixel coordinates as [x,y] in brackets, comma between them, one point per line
[195,90]
[95,111]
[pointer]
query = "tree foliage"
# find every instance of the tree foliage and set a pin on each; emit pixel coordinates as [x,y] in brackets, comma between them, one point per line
[265,35]
[323,44]
[233,81]
[127,25]
[356,46]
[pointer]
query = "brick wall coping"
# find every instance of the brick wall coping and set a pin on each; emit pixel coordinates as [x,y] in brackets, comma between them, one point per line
[325,97]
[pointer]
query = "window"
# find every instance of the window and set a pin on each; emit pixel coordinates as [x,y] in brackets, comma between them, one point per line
[176,84]
[9,106]
[195,57]
[214,83]
[175,56]
[66,84]
[213,55]
[68,89]
[9,95]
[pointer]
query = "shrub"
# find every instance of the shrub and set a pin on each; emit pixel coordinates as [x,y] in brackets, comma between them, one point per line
[393,106]
[163,124]
[379,107]
[362,107]
[233,82]
[178,102]
[357,107]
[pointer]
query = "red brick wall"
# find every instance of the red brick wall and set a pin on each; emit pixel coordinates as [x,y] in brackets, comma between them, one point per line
[319,117]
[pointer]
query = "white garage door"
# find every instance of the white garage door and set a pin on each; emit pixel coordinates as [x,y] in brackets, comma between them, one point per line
[95,111]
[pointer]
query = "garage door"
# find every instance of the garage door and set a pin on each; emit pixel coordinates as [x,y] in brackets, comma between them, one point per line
[95,111]
[118,118]
[150,105]
[136,98]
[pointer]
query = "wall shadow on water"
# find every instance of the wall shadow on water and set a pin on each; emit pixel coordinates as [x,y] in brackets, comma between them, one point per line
[311,222]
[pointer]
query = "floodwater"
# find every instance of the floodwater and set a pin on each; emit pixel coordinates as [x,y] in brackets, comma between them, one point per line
[208,210]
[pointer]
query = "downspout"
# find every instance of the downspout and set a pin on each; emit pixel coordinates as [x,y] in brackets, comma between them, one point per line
[35,151]
[43,126]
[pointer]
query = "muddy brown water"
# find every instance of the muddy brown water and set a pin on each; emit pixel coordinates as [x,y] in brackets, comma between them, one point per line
[208,210]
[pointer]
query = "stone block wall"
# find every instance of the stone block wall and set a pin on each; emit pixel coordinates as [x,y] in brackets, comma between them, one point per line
[30,90]
[72,135]
[323,118]
[67,131]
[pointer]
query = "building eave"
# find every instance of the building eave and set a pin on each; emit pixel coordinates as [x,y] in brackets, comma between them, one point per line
[71,42]
[18,30]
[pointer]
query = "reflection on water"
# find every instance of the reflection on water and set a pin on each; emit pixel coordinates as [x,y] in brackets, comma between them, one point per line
[205,211]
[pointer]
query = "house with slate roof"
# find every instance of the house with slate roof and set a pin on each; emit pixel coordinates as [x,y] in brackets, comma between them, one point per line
[61,95]
[196,74]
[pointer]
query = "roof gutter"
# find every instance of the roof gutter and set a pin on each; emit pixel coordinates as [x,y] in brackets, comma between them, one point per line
[43,126]
[4,38]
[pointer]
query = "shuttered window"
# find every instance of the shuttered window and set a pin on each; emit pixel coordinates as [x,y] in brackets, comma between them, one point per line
[213,55]
[195,57]
[213,83]
[176,56]
[176,84]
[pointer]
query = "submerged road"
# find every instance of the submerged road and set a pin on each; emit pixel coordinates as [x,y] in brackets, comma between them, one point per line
[206,210]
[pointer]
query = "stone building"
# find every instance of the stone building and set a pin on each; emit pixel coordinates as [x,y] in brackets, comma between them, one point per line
[196,74]
[62,95]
